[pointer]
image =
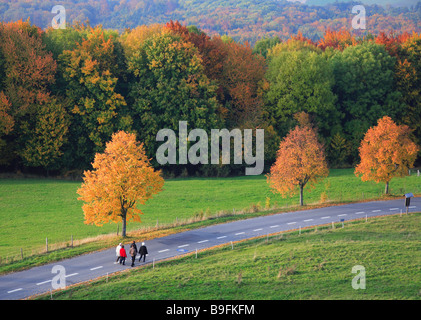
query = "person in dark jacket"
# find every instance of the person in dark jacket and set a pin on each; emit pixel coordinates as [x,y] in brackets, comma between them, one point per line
[133,252]
[123,255]
[143,251]
[134,245]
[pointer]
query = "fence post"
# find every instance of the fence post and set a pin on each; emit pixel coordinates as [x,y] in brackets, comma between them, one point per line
[21,253]
[46,244]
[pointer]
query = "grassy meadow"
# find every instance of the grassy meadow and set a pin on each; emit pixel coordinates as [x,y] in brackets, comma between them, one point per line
[314,265]
[33,209]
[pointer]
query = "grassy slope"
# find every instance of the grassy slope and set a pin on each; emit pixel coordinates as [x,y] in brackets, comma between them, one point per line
[315,265]
[31,210]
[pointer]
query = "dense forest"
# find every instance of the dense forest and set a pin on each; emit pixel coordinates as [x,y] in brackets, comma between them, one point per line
[241,19]
[64,92]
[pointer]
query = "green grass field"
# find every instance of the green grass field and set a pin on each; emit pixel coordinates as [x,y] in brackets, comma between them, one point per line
[314,265]
[33,209]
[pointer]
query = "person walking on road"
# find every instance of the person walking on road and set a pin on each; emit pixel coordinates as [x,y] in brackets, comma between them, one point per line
[117,252]
[123,255]
[133,252]
[143,251]
[134,245]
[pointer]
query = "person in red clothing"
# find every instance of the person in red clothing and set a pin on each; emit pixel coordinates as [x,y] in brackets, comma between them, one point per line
[123,255]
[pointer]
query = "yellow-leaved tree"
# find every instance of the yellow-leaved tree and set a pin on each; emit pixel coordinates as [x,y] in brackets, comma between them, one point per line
[122,179]
[386,151]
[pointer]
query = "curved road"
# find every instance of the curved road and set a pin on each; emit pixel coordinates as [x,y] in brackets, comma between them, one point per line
[38,280]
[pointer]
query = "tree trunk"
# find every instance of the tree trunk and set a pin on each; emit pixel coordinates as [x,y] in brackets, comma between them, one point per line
[386,189]
[123,231]
[301,195]
[123,220]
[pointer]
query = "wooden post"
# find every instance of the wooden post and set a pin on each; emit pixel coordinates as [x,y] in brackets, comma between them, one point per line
[21,253]
[46,244]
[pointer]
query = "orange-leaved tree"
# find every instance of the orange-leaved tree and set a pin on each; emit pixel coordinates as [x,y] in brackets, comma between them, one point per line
[300,160]
[386,151]
[122,178]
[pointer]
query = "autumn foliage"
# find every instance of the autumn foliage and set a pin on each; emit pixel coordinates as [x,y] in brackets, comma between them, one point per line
[300,160]
[386,151]
[122,178]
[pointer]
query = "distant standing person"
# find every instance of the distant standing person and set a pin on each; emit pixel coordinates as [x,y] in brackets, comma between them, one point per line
[133,252]
[123,255]
[117,253]
[143,251]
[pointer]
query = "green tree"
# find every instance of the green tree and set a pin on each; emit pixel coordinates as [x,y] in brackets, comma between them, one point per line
[364,85]
[300,80]
[170,87]
[91,74]
[263,45]
[44,144]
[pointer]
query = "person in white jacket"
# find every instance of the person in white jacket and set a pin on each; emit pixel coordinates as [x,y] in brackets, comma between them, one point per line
[117,252]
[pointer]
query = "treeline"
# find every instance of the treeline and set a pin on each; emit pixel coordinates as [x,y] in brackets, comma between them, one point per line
[64,92]
[242,19]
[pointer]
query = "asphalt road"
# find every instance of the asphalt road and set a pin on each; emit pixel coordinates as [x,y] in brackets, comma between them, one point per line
[20,285]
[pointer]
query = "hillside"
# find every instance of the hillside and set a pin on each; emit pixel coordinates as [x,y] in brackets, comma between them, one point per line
[241,19]
[392,3]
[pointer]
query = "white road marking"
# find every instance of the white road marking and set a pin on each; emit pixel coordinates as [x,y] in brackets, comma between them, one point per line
[327,217]
[308,220]
[412,207]
[239,233]
[221,237]
[292,222]
[342,215]
[359,212]
[375,210]
[96,268]
[184,245]
[44,282]
[11,291]
[71,275]
[165,250]
[275,226]
[260,229]
[202,241]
